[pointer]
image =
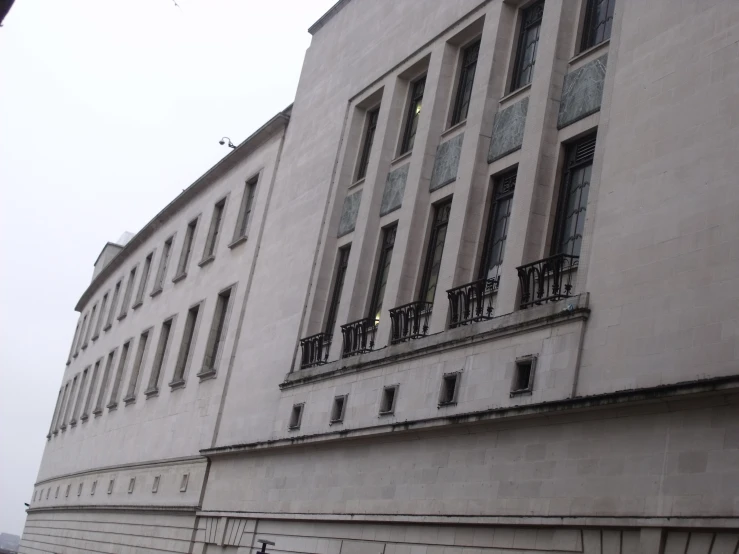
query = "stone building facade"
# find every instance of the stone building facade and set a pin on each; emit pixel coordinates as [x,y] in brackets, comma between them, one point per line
[475,292]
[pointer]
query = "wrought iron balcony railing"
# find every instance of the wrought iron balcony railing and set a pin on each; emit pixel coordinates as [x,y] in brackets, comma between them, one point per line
[409,321]
[547,280]
[314,350]
[472,302]
[358,337]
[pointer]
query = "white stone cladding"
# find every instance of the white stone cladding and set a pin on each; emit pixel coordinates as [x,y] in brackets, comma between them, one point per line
[628,440]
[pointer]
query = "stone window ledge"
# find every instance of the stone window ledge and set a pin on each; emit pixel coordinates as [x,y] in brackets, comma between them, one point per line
[502,326]
[453,130]
[513,97]
[234,243]
[179,277]
[400,159]
[157,291]
[138,304]
[206,373]
[588,55]
[206,261]
[179,384]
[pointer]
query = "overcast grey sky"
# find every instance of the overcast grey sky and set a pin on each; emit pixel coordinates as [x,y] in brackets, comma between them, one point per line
[108,109]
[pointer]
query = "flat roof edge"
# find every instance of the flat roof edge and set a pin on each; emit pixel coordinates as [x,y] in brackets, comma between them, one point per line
[325,18]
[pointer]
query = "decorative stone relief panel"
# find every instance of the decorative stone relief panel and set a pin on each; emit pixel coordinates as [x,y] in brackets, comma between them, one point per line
[446,162]
[349,213]
[582,92]
[392,196]
[508,130]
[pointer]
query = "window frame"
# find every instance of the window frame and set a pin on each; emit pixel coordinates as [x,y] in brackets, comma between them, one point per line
[413,115]
[590,24]
[241,230]
[189,334]
[387,245]
[296,416]
[160,355]
[342,263]
[119,373]
[439,220]
[113,304]
[385,410]
[138,361]
[465,81]
[143,280]
[164,260]
[186,251]
[503,190]
[368,138]
[218,333]
[524,26]
[127,295]
[337,415]
[214,230]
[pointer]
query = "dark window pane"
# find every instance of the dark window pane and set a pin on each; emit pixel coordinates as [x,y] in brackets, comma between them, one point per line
[338,286]
[598,21]
[466,80]
[497,230]
[383,268]
[369,137]
[527,45]
[414,113]
[436,248]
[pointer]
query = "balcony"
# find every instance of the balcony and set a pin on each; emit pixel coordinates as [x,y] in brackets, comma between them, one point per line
[358,337]
[314,350]
[472,302]
[547,280]
[409,321]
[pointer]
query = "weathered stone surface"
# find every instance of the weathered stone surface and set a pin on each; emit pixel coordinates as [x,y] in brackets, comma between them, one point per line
[582,92]
[392,196]
[446,162]
[349,213]
[508,130]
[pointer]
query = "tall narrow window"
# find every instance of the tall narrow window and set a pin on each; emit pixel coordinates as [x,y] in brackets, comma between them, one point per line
[163,264]
[435,250]
[383,269]
[83,333]
[127,295]
[598,21]
[369,137]
[573,197]
[414,113]
[136,369]
[528,42]
[497,229]
[113,304]
[185,353]
[62,419]
[119,376]
[80,395]
[104,384]
[466,80]
[91,390]
[92,320]
[75,338]
[143,281]
[159,357]
[55,415]
[215,229]
[333,308]
[101,315]
[247,200]
[216,335]
[186,249]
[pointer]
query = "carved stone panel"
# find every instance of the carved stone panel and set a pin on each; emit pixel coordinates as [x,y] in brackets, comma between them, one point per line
[508,130]
[392,196]
[582,92]
[349,213]
[446,162]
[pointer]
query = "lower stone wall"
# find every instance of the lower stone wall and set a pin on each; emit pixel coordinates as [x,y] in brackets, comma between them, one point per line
[107,532]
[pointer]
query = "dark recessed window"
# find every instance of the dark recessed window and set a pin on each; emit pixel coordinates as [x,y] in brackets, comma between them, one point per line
[110,486]
[131,485]
[184,355]
[497,229]
[573,197]
[184,482]
[159,356]
[528,44]
[79,489]
[215,229]
[435,249]
[155,486]
[217,334]
[449,389]
[296,415]
[186,249]
[247,200]
[338,408]
[383,269]
[523,378]
[163,265]
[466,80]
[333,309]
[414,113]
[92,489]
[369,137]
[387,403]
[597,24]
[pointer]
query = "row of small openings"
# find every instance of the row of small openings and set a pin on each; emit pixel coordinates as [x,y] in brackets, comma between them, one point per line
[111,485]
[523,382]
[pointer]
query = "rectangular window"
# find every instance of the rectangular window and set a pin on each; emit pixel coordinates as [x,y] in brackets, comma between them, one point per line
[56,411]
[56,492]
[104,385]
[113,304]
[333,308]
[449,389]
[215,229]
[119,376]
[92,320]
[79,489]
[466,80]
[528,43]
[414,114]
[83,333]
[101,315]
[296,415]
[62,419]
[48,491]
[92,489]
[80,395]
[435,250]
[155,486]
[136,369]
[163,264]
[144,279]
[66,494]
[75,338]
[184,482]
[186,249]
[247,200]
[383,269]
[91,390]
[369,137]
[497,228]
[389,395]
[338,408]
[186,346]
[131,485]
[597,23]
[110,486]
[127,295]
[573,197]
[523,377]
[217,334]
[159,357]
